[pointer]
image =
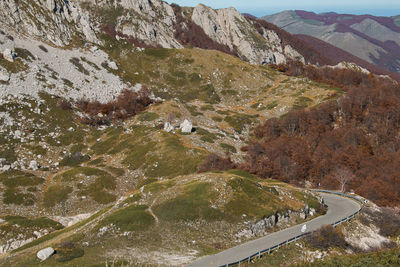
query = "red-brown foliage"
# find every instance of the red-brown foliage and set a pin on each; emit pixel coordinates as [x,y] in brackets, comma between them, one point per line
[358,132]
[127,104]
[217,163]
[327,237]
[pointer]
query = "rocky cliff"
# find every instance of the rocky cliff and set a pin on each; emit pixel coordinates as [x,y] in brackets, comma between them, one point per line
[55,21]
[147,23]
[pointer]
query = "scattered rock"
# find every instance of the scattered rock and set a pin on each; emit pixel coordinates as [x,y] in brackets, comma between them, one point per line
[6,168]
[4,75]
[186,126]
[46,253]
[33,165]
[168,127]
[1,221]
[9,55]
[112,65]
[3,162]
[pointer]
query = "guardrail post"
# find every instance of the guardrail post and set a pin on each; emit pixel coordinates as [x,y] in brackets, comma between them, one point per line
[269,251]
[259,254]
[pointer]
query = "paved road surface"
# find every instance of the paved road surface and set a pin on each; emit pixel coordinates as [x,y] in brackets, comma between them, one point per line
[338,208]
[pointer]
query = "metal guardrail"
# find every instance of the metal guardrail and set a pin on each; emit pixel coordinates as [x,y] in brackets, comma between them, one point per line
[293,239]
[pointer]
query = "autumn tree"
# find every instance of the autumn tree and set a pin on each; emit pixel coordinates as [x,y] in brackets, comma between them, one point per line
[343,176]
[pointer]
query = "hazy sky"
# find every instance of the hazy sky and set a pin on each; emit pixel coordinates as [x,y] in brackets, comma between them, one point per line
[265,7]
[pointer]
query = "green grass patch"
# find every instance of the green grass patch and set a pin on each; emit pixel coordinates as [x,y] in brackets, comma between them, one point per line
[228,148]
[55,194]
[193,110]
[252,199]
[272,105]
[41,222]
[148,116]
[13,181]
[192,204]
[161,53]
[239,121]
[98,189]
[132,218]
[206,136]
[302,102]
[13,67]
[217,118]
[25,54]
[156,187]
[242,174]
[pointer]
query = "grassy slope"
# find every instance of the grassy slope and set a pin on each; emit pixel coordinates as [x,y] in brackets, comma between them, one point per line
[168,215]
[220,94]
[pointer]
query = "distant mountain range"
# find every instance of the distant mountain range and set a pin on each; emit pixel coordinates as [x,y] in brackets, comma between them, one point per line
[375,40]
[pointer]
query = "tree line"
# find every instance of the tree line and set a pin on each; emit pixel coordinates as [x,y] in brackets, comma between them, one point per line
[350,143]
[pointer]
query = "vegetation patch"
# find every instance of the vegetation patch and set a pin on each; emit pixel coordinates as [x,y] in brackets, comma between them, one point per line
[248,193]
[206,136]
[132,218]
[41,222]
[239,121]
[55,194]
[192,204]
[15,183]
[68,251]
[302,102]
[228,148]
[148,116]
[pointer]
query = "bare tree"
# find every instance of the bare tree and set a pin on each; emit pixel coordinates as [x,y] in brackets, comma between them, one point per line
[343,175]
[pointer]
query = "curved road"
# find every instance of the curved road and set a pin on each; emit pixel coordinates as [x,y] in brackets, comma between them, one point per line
[338,208]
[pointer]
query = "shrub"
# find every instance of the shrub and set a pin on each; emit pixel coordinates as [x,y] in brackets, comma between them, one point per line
[67,251]
[64,104]
[326,237]
[44,49]
[215,162]
[127,104]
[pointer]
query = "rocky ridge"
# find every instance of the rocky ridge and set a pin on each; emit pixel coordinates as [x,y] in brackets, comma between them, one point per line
[55,21]
[150,23]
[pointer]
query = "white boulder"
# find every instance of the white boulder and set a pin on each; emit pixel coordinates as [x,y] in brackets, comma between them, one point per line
[9,55]
[112,65]
[46,253]
[4,75]
[168,127]
[1,221]
[33,165]
[186,126]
